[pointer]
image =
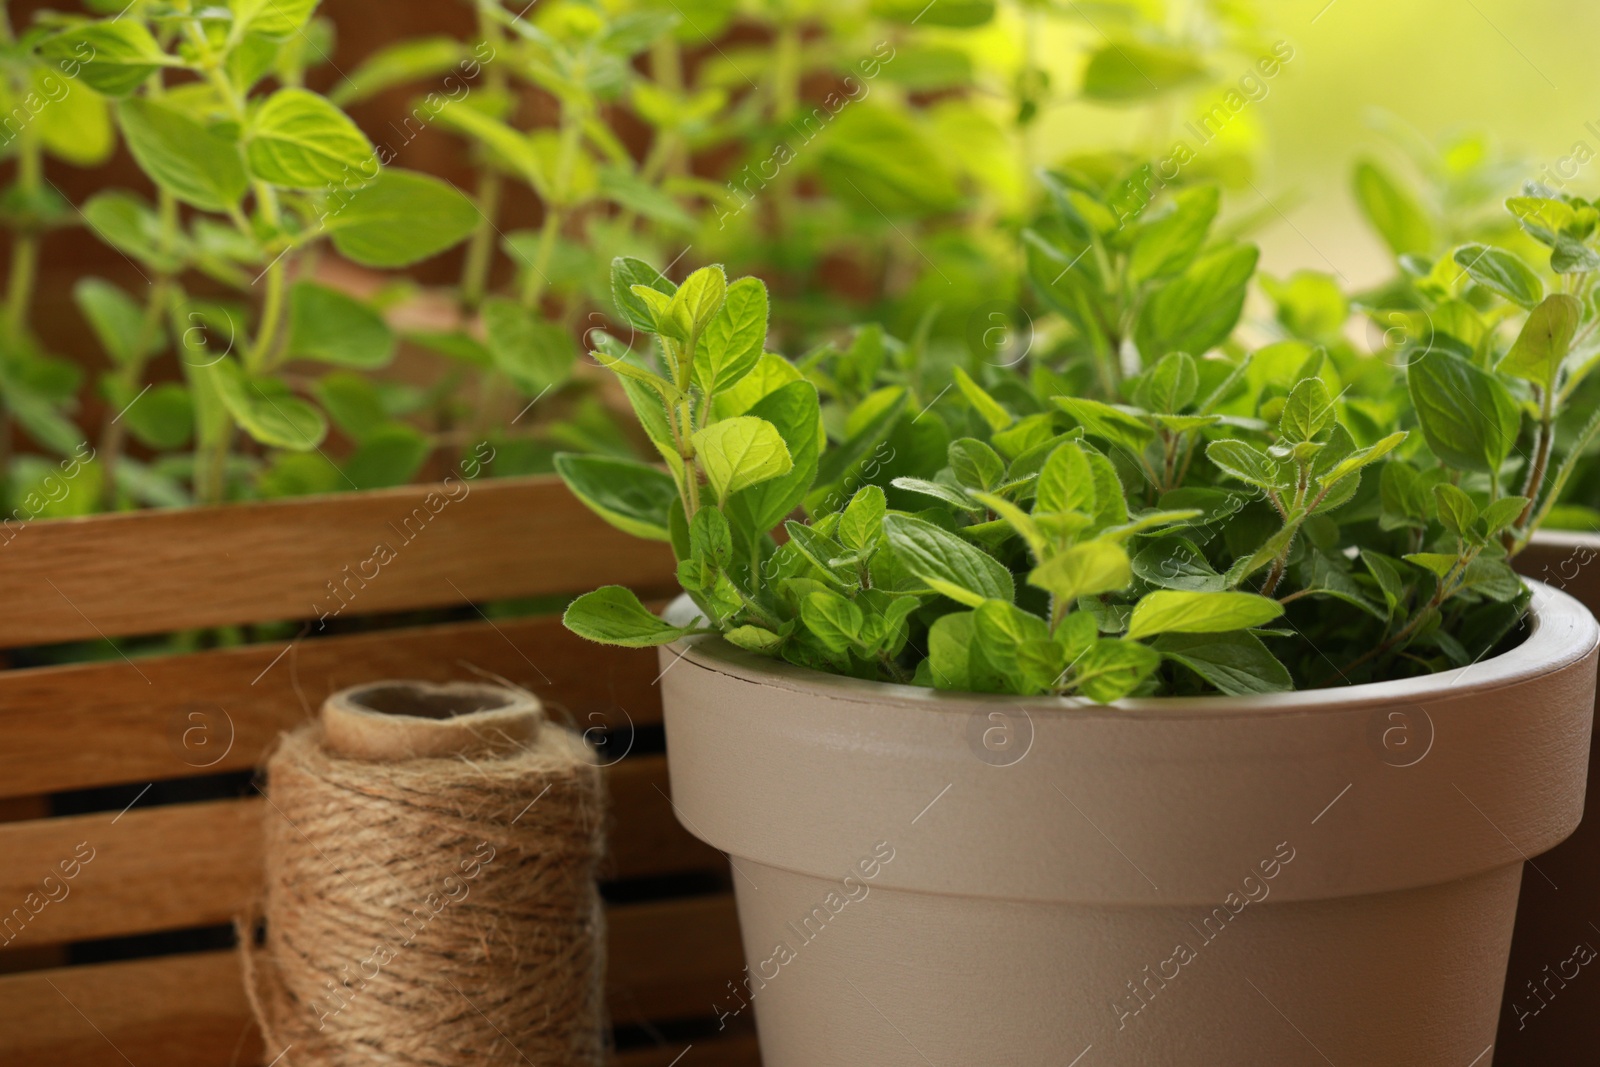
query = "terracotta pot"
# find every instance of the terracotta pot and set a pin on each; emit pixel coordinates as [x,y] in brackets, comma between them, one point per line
[946,879]
[1552,991]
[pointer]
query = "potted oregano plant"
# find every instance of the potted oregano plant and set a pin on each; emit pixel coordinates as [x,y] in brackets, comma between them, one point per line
[1470,259]
[1121,711]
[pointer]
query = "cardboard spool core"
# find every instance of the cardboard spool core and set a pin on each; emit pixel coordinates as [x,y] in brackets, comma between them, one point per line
[399,720]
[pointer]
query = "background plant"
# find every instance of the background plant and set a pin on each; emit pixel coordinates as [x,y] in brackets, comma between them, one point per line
[48,111]
[254,175]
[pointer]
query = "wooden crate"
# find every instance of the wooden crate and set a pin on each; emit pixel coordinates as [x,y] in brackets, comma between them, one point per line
[119,725]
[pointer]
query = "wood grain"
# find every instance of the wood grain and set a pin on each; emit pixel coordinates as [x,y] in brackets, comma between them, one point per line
[159,571]
[104,723]
[184,865]
[190,1010]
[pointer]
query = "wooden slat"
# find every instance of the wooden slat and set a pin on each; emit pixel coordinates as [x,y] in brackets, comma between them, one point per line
[644,834]
[190,1010]
[157,571]
[159,869]
[672,958]
[107,723]
[176,1011]
[740,1051]
[183,865]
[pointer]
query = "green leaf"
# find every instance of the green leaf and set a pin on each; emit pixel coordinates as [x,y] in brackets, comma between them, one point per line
[1572,256]
[1245,462]
[1387,575]
[1175,563]
[862,450]
[985,405]
[1500,514]
[76,126]
[387,457]
[1127,69]
[834,621]
[631,496]
[535,354]
[404,61]
[1066,482]
[955,659]
[741,452]
[820,550]
[710,539]
[301,141]
[754,639]
[1492,578]
[1236,662]
[112,57]
[794,410]
[974,464]
[1545,340]
[880,159]
[402,217]
[613,615]
[1003,629]
[1440,564]
[1112,669]
[734,339]
[1167,242]
[118,322]
[1307,412]
[508,146]
[162,418]
[191,162]
[1502,271]
[660,309]
[329,326]
[130,226]
[948,564]
[1310,304]
[265,409]
[626,273]
[699,299]
[1405,495]
[1169,386]
[1113,424]
[1544,219]
[1392,211]
[625,188]
[1469,419]
[1178,611]
[961,14]
[1197,311]
[1086,569]
[275,18]
[861,523]
[353,403]
[1457,512]
[960,499]
[1361,457]
[1110,498]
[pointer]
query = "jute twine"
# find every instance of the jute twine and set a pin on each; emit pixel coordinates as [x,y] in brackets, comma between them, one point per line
[430,892]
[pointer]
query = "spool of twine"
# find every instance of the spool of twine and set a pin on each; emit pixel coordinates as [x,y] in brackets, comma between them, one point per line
[430,892]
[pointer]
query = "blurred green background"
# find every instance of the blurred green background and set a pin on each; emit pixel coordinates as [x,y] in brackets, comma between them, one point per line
[1524,73]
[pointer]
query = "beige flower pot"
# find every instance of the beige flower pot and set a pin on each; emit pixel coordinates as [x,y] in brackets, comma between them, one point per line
[1300,879]
[1552,1001]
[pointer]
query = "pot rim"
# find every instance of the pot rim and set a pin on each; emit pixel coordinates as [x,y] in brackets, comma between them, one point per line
[1561,632]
